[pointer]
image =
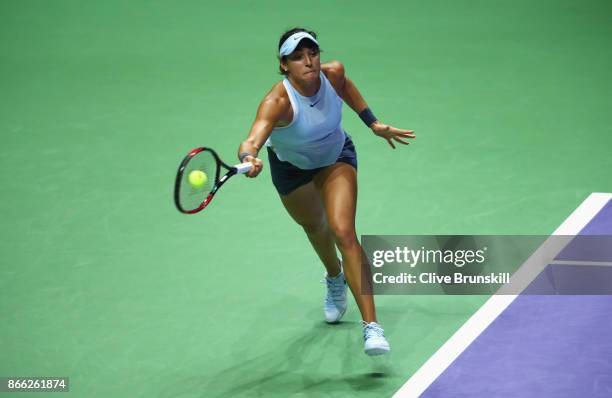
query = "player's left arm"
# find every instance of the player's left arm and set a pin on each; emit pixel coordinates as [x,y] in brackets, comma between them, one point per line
[347,90]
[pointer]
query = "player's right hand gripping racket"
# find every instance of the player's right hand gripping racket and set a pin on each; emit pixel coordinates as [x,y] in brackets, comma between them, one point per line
[199,178]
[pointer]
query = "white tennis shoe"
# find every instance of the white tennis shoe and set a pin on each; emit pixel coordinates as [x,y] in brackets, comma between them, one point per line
[374,339]
[335,299]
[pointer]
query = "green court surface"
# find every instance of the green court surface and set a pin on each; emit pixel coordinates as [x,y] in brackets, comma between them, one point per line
[103,281]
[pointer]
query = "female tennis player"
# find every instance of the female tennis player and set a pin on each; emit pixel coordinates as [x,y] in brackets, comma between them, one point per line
[314,166]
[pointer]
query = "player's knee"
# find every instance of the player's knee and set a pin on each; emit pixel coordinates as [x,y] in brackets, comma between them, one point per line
[344,234]
[314,226]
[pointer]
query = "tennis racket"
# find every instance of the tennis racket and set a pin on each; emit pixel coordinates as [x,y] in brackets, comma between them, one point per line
[205,168]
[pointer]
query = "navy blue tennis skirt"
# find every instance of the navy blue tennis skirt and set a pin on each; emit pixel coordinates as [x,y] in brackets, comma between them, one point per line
[286,177]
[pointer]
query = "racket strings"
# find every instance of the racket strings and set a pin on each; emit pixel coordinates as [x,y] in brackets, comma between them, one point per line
[191,196]
[210,181]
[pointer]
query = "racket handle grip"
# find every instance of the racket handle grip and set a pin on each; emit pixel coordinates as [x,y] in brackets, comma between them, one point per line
[243,167]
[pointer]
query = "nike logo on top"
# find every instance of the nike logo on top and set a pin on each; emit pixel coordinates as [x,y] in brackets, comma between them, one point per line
[311,105]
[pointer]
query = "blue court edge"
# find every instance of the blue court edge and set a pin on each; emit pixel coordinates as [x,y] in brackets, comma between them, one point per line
[546,346]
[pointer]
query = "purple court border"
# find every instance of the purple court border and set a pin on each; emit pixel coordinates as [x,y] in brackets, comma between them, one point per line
[542,358]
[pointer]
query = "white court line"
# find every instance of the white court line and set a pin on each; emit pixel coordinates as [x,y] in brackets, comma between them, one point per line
[572,262]
[497,303]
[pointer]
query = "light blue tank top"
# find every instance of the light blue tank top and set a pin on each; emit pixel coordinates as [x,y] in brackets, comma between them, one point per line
[314,138]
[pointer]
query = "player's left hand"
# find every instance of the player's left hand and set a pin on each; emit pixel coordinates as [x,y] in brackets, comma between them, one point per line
[391,133]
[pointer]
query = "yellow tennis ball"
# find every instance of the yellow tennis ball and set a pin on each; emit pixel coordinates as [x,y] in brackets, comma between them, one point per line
[197,178]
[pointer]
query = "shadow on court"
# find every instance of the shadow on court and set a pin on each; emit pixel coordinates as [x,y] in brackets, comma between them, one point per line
[299,355]
[325,360]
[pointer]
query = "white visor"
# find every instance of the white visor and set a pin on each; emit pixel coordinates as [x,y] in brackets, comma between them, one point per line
[292,42]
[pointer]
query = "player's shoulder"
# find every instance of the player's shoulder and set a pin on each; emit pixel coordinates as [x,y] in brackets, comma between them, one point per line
[334,71]
[276,101]
[277,95]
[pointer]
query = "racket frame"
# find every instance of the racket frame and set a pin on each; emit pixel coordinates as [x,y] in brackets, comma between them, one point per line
[219,181]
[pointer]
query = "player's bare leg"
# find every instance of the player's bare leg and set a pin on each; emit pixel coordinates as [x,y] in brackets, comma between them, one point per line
[306,207]
[338,186]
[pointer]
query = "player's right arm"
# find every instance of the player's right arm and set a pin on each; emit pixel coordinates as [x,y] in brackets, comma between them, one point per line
[272,110]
